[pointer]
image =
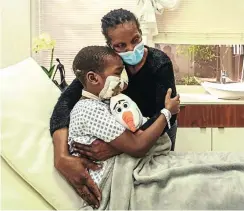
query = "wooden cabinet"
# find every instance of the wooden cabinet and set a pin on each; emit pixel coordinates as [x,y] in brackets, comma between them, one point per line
[210,127]
[193,139]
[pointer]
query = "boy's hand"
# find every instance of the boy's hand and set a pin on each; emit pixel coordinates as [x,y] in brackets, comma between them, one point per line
[97,151]
[172,104]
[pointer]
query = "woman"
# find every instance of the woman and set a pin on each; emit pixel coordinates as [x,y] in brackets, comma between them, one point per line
[150,74]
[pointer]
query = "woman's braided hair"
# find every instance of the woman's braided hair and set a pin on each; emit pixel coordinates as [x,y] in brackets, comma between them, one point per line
[116,17]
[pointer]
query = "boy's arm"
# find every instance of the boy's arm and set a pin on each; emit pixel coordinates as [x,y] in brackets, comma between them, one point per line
[139,145]
[102,125]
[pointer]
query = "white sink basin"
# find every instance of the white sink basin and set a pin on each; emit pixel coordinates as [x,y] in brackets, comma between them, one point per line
[230,91]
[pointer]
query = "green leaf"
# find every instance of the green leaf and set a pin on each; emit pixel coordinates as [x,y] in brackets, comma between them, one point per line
[48,72]
[51,71]
[45,70]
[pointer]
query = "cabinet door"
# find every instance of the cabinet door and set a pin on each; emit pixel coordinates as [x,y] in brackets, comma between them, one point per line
[228,139]
[193,139]
[195,116]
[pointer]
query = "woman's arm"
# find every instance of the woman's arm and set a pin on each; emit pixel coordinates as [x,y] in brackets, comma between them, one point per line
[98,150]
[165,79]
[60,116]
[74,169]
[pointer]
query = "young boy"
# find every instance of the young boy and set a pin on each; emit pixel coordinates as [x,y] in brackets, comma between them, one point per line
[99,69]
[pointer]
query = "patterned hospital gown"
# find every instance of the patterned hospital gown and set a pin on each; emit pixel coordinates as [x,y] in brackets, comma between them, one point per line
[90,120]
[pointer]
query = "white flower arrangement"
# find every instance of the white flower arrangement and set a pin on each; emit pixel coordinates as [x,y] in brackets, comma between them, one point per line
[45,42]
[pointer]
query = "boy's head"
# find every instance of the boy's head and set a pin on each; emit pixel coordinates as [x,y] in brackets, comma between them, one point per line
[93,64]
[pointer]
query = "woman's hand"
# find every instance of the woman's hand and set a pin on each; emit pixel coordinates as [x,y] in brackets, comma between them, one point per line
[75,170]
[98,150]
[172,104]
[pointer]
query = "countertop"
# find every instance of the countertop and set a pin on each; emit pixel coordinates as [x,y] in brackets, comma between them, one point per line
[205,98]
[196,95]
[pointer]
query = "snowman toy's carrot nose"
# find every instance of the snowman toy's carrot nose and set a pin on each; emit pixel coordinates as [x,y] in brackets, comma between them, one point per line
[127,116]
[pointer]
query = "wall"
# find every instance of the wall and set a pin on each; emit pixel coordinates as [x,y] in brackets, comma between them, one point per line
[202,22]
[15,42]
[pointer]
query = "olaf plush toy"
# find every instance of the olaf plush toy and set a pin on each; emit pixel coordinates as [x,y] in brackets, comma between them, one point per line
[126,112]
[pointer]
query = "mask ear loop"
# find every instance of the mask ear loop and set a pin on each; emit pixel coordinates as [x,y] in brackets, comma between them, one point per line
[117,90]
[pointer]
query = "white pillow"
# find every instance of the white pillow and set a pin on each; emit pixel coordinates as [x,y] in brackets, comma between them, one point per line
[28,97]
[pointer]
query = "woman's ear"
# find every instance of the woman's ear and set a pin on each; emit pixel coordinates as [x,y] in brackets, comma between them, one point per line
[140,31]
[92,78]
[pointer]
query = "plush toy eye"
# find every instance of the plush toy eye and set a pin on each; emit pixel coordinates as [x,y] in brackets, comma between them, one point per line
[118,109]
[125,105]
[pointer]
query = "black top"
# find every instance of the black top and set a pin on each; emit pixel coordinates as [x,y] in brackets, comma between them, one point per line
[147,88]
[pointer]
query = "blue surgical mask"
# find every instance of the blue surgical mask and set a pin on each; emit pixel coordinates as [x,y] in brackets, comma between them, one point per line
[133,57]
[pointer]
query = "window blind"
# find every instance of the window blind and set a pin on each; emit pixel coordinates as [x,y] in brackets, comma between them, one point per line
[202,22]
[73,24]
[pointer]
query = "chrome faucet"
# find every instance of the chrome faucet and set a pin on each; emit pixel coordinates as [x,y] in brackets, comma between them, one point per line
[223,77]
[242,73]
